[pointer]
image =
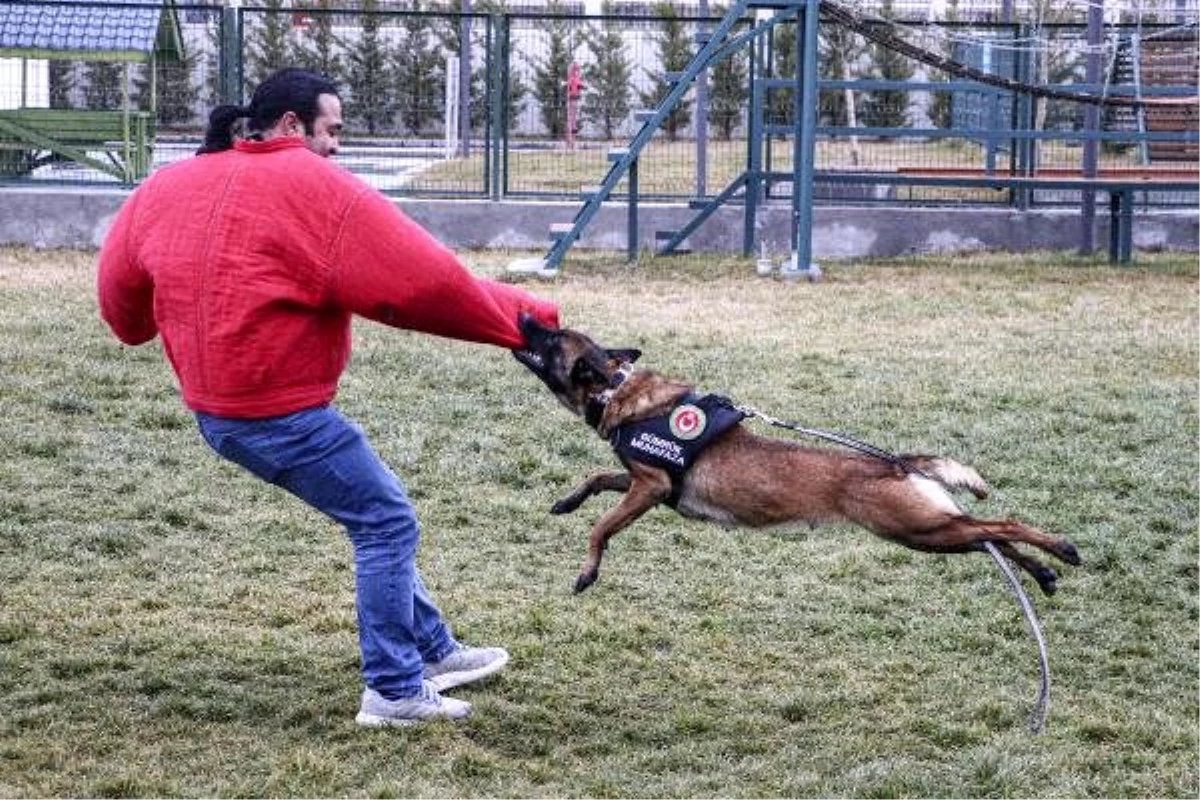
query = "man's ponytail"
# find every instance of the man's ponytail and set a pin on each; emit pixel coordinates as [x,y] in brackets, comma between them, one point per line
[219,135]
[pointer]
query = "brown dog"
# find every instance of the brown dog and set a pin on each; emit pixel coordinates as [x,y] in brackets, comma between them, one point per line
[741,479]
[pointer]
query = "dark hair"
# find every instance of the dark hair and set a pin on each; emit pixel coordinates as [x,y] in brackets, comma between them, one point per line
[291,89]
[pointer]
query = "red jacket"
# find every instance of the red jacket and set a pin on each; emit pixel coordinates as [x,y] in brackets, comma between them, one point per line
[251,263]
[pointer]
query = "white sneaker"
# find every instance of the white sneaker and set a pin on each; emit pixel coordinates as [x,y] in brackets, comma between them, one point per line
[377,711]
[464,665]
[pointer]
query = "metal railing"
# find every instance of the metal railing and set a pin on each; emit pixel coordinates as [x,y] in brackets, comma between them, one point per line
[499,118]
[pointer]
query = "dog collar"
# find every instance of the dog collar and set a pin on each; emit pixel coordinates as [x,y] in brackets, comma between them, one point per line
[597,402]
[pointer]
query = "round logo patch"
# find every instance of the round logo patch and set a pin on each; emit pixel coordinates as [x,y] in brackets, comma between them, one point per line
[687,422]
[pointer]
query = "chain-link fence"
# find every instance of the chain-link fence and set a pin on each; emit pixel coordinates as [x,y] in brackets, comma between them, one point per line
[496,103]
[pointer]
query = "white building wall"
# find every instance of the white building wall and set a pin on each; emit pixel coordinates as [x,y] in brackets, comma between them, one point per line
[24,83]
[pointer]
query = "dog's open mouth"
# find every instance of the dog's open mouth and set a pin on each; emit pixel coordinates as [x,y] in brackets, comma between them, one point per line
[531,360]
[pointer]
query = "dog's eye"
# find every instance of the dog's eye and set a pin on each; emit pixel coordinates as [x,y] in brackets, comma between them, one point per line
[583,372]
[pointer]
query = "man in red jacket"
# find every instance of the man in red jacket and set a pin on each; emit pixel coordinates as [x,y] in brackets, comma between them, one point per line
[249,261]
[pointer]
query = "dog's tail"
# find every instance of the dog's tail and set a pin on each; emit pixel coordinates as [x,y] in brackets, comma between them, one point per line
[950,473]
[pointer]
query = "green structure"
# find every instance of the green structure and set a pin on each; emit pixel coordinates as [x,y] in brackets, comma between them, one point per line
[741,27]
[115,141]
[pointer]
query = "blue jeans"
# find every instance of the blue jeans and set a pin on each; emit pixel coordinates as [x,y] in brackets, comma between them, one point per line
[324,459]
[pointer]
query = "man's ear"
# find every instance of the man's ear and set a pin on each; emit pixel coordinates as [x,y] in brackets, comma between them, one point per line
[292,124]
[625,355]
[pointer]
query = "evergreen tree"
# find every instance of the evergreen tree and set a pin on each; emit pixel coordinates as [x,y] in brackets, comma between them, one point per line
[781,102]
[840,48]
[62,83]
[419,73]
[518,90]
[941,105]
[550,73]
[370,105]
[104,84]
[480,100]
[674,52]
[888,108]
[607,78]
[449,33]
[729,89]
[317,47]
[176,94]
[268,41]
[212,60]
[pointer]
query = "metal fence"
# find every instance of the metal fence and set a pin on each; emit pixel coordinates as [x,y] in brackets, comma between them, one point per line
[533,103]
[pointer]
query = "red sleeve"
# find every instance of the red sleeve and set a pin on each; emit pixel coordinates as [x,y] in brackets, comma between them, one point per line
[391,270]
[515,300]
[125,291]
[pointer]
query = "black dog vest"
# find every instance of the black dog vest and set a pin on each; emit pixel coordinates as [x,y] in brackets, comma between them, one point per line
[673,440]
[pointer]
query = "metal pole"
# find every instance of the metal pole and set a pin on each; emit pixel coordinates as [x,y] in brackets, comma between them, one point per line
[229,84]
[754,140]
[702,121]
[1091,124]
[498,88]
[806,140]
[632,246]
[464,80]
[1024,117]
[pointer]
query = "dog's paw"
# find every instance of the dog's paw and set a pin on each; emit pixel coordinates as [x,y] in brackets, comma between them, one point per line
[1069,553]
[1047,579]
[564,506]
[585,580]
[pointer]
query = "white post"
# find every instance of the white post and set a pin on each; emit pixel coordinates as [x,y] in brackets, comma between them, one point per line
[451,138]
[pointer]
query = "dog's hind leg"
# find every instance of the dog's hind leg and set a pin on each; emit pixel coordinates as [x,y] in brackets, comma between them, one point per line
[600,482]
[644,493]
[1045,576]
[967,533]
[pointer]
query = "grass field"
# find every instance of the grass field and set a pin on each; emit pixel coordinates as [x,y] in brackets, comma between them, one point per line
[171,627]
[669,168]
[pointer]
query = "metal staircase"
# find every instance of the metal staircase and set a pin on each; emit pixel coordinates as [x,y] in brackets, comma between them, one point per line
[1125,70]
[719,43]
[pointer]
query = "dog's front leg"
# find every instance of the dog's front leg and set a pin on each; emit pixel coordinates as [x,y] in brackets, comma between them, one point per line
[645,492]
[600,482]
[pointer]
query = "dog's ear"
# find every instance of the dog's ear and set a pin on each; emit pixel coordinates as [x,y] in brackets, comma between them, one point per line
[625,355]
[530,327]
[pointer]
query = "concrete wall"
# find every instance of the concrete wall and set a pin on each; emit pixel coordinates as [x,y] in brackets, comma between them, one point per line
[78,218]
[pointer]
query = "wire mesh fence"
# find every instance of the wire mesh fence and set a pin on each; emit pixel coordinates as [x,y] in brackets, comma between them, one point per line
[440,102]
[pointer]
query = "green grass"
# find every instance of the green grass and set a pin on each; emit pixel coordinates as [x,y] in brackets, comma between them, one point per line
[669,168]
[171,627]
